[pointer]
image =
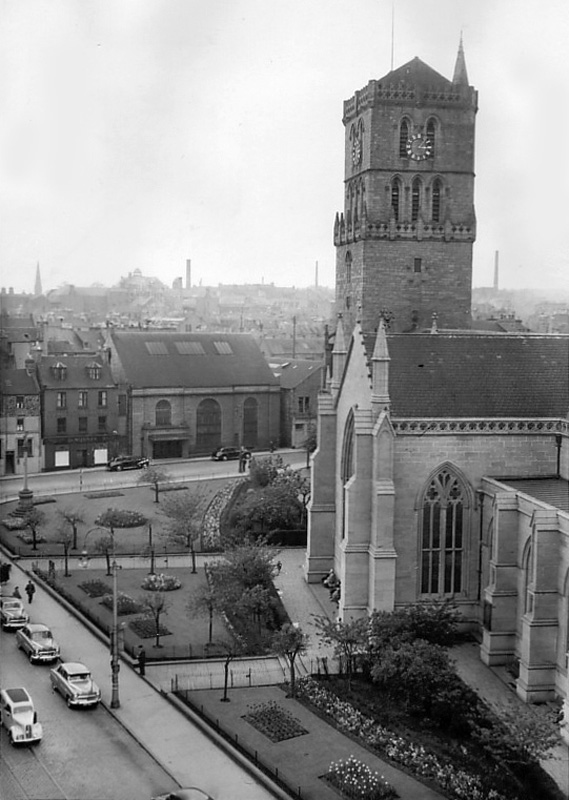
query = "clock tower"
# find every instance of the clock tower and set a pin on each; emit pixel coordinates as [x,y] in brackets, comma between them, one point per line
[404,239]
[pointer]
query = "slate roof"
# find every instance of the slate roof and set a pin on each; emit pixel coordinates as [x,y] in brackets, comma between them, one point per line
[18,381]
[416,73]
[477,375]
[553,491]
[192,360]
[77,374]
[292,373]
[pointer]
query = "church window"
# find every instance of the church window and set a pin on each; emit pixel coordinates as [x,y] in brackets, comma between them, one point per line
[347,469]
[348,301]
[396,197]
[431,136]
[415,199]
[163,413]
[417,264]
[348,267]
[442,535]
[403,138]
[437,201]
[527,566]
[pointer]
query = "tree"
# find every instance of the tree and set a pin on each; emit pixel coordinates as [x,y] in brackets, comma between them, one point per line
[290,642]
[263,471]
[247,565]
[231,651]
[66,538]
[154,604]
[155,476]
[267,509]
[33,519]
[516,736]
[204,601]
[347,638]
[105,545]
[74,518]
[184,510]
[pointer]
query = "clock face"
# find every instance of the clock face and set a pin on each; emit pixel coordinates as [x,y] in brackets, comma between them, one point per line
[356,151]
[419,148]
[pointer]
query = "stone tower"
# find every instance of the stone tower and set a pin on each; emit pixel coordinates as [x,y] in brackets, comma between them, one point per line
[404,240]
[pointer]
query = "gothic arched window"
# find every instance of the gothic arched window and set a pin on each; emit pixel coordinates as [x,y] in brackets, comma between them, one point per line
[163,413]
[443,532]
[403,138]
[396,197]
[348,262]
[415,199]
[437,201]
[431,136]
[347,466]
[208,425]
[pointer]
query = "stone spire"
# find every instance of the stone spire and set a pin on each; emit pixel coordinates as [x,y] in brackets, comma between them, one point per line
[338,355]
[37,286]
[460,77]
[380,370]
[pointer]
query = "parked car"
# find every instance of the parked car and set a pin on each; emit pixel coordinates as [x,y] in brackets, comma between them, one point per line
[18,716]
[12,613]
[191,793]
[230,454]
[74,683]
[127,462]
[37,642]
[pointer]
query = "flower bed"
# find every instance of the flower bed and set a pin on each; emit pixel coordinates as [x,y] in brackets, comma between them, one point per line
[95,588]
[27,538]
[146,628]
[211,533]
[274,722]
[457,783]
[121,518]
[160,583]
[125,604]
[357,781]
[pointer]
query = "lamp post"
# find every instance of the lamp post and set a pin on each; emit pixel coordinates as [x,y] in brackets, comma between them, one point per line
[115,661]
[25,495]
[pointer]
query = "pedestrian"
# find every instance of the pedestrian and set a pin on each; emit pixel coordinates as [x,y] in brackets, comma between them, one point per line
[30,591]
[16,592]
[141,660]
[279,567]
[242,459]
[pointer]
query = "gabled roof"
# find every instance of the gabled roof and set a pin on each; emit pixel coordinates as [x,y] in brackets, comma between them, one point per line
[193,360]
[416,73]
[292,373]
[478,375]
[18,381]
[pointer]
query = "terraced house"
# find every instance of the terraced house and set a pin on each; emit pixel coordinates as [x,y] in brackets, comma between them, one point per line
[189,393]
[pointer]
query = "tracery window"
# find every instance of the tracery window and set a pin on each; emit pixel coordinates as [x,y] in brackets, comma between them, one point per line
[396,197]
[431,136]
[347,468]
[348,262]
[443,528]
[437,201]
[415,199]
[403,138]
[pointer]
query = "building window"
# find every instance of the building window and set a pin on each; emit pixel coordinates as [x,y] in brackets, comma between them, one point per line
[61,401]
[102,424]
[103,397]
[403,139]
[417,264]
[348,267]
[19,401]
[94,371]
[25,446]
[442,535]
[61,425]
[60,371]
[396,197]
[20,424]
[83,424]
[437,201]
[415,199]
[431,136]
[347,464]
[83,399]
[303,405]
[163,413]
[208,425]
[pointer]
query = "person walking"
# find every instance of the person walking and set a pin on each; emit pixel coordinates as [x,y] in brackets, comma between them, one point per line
[30,591]
[16,592]
[141,660]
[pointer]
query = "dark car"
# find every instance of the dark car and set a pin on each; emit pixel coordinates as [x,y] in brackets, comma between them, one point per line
[127,462]
[230,454]
[192,793]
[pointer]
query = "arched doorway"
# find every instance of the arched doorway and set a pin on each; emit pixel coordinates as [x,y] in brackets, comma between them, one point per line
[208,426]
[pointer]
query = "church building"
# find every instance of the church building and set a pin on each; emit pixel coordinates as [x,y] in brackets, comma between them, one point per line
[443,458]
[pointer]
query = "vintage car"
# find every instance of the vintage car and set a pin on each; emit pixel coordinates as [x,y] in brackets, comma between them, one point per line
[37,642]
[127,462]
[73,681]
[18,716]
[230,454]
[191,793]
[12,614]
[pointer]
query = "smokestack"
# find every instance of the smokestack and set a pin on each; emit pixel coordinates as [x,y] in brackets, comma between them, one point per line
[496,270]
[316,276]
[188,273]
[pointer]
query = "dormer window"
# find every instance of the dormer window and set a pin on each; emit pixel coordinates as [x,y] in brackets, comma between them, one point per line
[94,371]
[60,371]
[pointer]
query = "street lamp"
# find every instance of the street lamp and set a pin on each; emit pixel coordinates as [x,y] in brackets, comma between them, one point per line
[115,662]
[25,495]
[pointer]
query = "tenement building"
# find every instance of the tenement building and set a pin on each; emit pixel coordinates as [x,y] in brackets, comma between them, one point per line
[443,459]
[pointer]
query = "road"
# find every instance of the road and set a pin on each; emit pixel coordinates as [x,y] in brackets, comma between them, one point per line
[97,478]
[66,764]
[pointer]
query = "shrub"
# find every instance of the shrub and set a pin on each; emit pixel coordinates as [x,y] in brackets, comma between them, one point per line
[125,604]
[146,628]
[160,583]
[121,518]
[96,588]
[358,782]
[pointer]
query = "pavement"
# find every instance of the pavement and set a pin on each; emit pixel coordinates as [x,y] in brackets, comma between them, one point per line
[194,754]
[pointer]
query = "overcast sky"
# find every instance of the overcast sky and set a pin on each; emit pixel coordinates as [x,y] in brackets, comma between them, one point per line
[141,133]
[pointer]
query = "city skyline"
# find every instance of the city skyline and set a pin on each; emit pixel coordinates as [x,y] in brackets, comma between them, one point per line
[139,135]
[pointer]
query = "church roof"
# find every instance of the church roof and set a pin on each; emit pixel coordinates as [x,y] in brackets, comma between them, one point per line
[476,375]
[417,74]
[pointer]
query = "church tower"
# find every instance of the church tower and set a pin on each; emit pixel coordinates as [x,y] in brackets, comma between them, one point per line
[404,240]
